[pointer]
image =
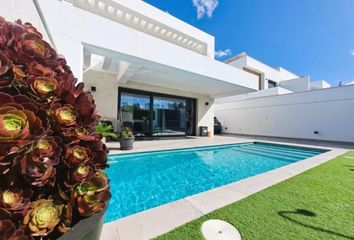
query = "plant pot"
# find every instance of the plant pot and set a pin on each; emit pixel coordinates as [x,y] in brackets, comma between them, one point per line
[104,140]
[87,229]
[126,143]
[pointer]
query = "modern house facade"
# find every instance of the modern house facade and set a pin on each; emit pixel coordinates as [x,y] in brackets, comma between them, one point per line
[146,69]
[157,74]
[287,106]
[272,81]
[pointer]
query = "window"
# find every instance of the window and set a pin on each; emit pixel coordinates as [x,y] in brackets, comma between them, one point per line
[155,114]
[272,84]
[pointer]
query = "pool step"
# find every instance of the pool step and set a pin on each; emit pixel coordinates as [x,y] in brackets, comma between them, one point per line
[272,156]
[287,149]
[297,149]
[280,151]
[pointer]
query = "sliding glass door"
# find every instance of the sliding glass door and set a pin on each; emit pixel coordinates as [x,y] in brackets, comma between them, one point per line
[169,116]
[154,114]
[135,112]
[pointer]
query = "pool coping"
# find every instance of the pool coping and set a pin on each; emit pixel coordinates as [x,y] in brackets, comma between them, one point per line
[215,146]
[162,219]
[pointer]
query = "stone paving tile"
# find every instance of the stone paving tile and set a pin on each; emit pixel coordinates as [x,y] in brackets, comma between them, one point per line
[110,232]
[156,221]
[209,201]
[165,144]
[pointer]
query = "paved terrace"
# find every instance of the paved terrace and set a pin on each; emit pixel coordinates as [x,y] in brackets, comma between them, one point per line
[174,143]
[159,220]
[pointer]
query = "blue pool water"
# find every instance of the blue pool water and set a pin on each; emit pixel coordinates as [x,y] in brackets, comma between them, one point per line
[146,180]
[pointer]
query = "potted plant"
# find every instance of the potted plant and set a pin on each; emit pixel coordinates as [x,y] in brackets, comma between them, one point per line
[51,160]
[106,130]
[126,139]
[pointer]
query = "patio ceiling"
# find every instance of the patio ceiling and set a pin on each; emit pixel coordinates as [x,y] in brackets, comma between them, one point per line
[129,68]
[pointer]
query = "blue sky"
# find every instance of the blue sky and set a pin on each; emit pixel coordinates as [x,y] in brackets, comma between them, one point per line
[308,37]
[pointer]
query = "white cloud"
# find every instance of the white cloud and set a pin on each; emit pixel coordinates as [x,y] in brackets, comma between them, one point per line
[223,53]
[205,7]
[351,52]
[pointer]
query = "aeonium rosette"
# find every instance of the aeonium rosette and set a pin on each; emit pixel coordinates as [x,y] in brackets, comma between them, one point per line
[38,165]
[42,86]
[43,216]
[21,122]
[37,173]
[48,150]
[65,119]
[51,160]
[99,154]
[92,196]
[36,69]
[78,155]
[14,203]
[8,231]
[81,173]
[6,78]
[31,47]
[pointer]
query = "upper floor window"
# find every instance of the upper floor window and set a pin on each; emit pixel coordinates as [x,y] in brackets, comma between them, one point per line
[272,84]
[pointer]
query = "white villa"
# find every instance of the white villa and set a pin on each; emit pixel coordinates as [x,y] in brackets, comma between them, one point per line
[146,68]
[157,74]
[273,81]
[287,106]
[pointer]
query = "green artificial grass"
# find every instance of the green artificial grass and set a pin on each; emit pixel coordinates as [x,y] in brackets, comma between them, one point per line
[317,204]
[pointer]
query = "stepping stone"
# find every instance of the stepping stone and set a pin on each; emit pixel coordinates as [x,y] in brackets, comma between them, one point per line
[219,230]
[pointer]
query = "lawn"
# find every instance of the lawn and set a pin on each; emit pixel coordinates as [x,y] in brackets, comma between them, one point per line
[317,204]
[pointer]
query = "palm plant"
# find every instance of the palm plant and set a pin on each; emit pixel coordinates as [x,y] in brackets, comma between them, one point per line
[106,130]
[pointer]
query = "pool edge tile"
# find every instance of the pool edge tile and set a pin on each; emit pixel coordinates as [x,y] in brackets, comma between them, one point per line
[156,221]
[109,232]
[215,198]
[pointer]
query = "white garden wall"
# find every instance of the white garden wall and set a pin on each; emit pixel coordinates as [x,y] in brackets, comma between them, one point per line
[330,112]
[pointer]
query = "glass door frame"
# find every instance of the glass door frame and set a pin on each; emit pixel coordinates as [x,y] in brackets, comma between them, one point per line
[193,101]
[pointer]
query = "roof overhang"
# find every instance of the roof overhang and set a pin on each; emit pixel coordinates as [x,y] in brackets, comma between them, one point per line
[138,56]
[129,68]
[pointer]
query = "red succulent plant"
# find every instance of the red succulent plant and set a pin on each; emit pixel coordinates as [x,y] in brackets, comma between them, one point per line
[51,161]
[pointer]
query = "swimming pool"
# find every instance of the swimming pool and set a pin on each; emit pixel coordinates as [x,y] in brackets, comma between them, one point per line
[140,181]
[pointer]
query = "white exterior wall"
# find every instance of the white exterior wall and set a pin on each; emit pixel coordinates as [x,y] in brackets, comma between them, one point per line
[80,27]
[296,85]
[285,74]
[147,12]
[262,93]
[320,84]
[26,10]
[273,74]
[74,30]
[106,98]
[296,115]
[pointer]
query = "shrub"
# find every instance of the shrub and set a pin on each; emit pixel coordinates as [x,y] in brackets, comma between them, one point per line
[106,130]
[126,133]
[51,159]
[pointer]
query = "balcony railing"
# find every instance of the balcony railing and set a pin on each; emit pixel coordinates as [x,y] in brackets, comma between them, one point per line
[128,17]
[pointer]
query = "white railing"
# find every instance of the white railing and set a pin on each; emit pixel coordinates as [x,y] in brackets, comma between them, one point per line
[126,16]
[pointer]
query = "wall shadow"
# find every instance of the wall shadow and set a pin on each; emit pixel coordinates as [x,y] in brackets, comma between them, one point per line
[303,212]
